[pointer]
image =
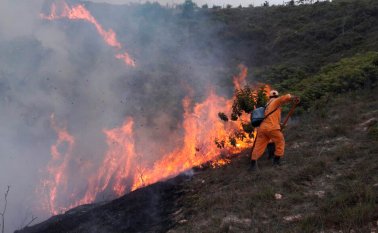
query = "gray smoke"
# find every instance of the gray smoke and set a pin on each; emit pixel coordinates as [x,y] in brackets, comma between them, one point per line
[200,2]
[64,68]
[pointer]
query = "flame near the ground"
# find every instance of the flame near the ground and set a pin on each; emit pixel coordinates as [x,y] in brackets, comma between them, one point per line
[240,80]
[62,10]
[123,169]
[57,168]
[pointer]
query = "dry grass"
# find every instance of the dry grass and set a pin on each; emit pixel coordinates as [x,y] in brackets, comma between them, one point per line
[329,181]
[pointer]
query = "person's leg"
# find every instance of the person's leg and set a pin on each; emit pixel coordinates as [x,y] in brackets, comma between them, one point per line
[279,141]
[271,149]
[260,144]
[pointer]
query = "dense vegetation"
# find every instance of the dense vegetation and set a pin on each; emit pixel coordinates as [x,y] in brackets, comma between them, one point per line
[304,37]
[314,50]
[289,46]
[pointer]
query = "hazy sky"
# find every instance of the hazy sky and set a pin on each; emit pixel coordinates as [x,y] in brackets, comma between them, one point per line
[199,2]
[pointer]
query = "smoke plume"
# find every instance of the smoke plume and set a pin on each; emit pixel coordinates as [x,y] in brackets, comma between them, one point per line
[72,110]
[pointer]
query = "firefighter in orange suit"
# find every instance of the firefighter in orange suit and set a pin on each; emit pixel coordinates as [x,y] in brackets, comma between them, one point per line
[270,128]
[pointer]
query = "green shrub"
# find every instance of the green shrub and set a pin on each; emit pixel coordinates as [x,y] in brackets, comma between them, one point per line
[348,74]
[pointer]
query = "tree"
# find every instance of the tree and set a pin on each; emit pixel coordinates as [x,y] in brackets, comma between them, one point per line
[205,6]
[262,97]
[245,101]
[266,3]
[291,3]
[188,8]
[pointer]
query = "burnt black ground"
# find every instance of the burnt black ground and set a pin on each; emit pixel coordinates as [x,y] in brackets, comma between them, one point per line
[148,209]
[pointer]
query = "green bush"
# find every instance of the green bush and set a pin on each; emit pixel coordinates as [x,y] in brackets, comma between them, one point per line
[348,74]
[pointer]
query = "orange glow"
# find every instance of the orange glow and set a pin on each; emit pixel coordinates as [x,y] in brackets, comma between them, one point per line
[57,168]
[220,162]
[117,164]
[125,57]
[79,12]
[239,80]
[202,126]
[123,170]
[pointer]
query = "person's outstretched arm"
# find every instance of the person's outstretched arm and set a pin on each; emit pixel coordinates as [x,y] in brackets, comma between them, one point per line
[284,100]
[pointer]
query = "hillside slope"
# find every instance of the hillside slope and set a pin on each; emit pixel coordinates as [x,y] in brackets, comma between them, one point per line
[145,210]
[304,36]
[277,43]
[329,182]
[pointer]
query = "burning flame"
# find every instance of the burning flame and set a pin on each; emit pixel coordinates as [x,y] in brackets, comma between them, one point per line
[123,170]
[118,162]
[57,168]
[126,58]
[220,162]
[239,80]
[79,12]
[201,127]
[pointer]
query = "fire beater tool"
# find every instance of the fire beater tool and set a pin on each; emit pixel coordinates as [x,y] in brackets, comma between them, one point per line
[283,125]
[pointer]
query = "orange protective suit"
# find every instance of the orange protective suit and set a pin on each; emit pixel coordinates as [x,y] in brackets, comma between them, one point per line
[270,129]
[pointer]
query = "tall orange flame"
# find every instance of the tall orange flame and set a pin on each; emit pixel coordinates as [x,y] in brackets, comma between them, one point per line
[239,80]
[79,12]
[58,166]
[122,170]
[201,127]
[117,164]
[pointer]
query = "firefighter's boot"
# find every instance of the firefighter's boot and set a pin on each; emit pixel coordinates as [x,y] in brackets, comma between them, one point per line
[277,161]
[271,149]
[252,166]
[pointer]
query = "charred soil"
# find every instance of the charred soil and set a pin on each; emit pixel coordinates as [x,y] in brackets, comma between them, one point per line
[148,209]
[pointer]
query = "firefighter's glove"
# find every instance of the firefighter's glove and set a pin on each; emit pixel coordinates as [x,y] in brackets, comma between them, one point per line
[296,99]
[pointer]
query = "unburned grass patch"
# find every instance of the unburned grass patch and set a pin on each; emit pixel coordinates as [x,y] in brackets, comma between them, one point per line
[352,205]
[344,151]
[292,186]
[373,132]
[311,224]
[265,193]
[308,173]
